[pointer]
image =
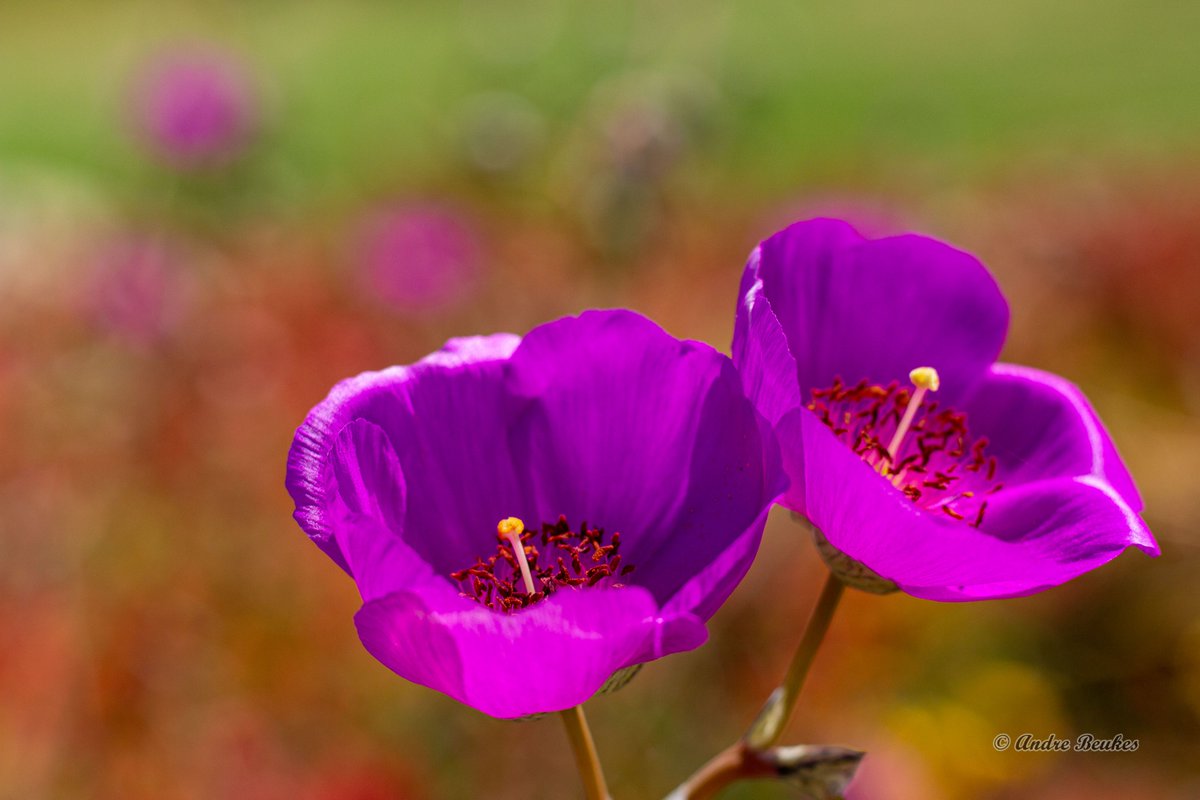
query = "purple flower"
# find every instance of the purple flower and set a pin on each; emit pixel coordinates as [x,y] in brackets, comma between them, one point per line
[195,109]
[642,473]
[418,256]
[136,290]
[967,481]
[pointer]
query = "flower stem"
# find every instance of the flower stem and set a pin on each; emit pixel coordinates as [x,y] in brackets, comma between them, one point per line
[584,748]
[745,759]
[728,766]
[772,720]
[818,771]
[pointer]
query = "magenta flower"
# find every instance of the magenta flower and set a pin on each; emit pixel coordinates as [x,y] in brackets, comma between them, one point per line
[136,290]
[643,474]
[418,256]
[914,455]
[195,109]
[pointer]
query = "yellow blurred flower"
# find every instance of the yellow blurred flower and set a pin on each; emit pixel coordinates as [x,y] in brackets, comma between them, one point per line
[954,731]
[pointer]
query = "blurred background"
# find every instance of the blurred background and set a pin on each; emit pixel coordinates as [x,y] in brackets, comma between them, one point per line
[210,212]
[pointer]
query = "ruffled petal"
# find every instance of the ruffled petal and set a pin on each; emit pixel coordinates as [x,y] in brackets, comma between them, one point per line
[367,511]
[856,308]
[1035,536]
[552,656]
[760,350]
[443,418]
[367,475]
[616,422]
[1039,426]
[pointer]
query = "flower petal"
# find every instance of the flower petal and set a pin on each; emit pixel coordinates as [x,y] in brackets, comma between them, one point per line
[1039,425]
[552,656]
[760,350]
[367,473]
[619,423]
[459,441]
[708,589]
[856,308]
[367,511]
[1035,536]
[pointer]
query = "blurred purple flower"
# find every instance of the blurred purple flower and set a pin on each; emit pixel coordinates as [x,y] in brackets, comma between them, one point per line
[135,290]
[195,108]
[1007,484]
[872,216]
[418,256]
[644,443]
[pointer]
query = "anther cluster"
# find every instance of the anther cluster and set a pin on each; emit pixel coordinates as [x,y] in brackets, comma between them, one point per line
[937,465]
[559,558]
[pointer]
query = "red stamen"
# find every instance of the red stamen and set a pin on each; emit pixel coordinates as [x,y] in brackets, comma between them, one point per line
[554,557]
[937,464]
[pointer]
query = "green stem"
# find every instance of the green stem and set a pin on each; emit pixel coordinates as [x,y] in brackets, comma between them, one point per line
[769,726]
[584,748]
[745,759]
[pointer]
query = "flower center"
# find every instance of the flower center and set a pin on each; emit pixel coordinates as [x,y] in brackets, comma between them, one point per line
[529,566]
[929,454]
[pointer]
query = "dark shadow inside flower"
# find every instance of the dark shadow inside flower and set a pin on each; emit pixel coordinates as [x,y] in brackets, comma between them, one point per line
[604,420]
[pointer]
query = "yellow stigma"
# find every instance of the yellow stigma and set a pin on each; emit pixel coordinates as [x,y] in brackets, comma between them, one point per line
[510,526]
[925,378]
